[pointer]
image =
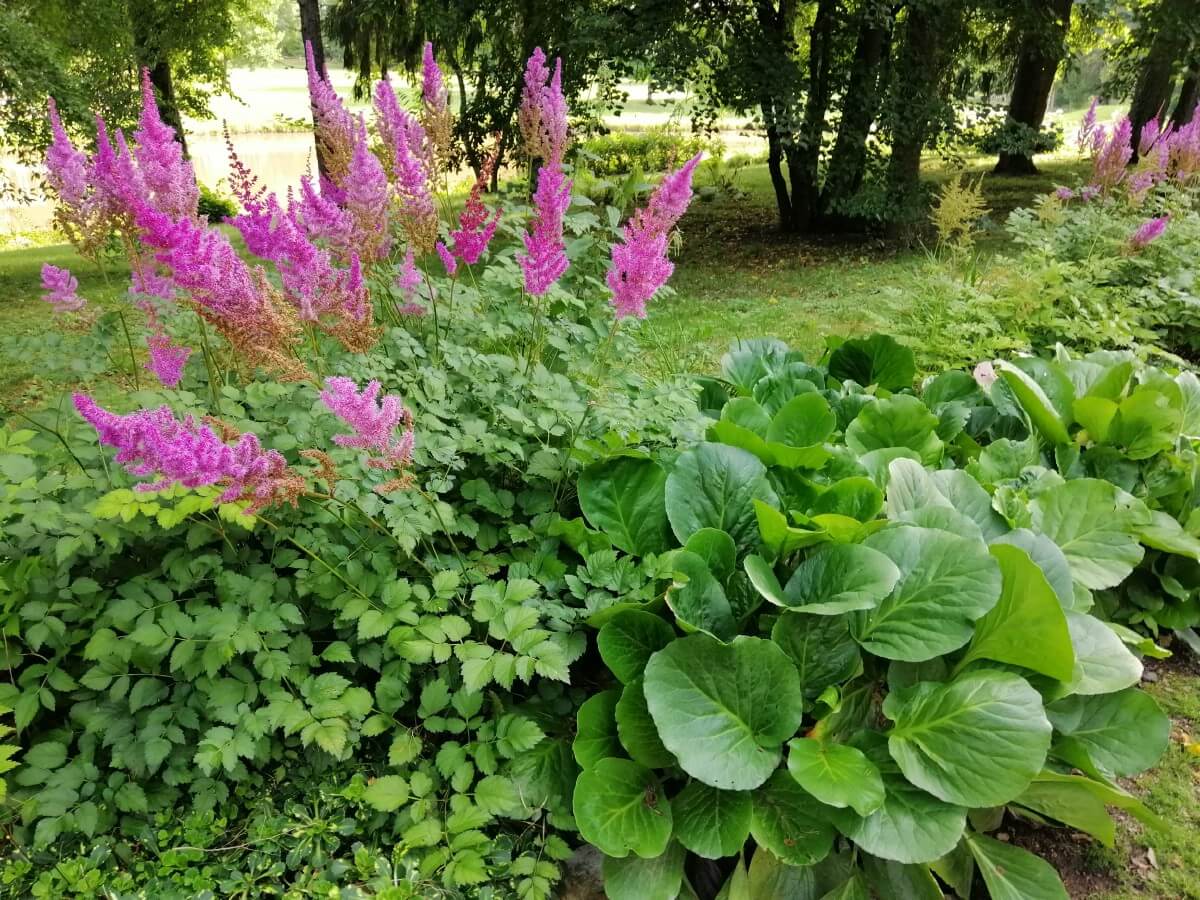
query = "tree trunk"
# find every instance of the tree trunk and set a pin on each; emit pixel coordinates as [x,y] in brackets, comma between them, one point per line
[931,34]
[310,33]
[1189,96]
[1042,49]
[150,56]
[848,163]
[783,201]
[1153,90]
[804,156]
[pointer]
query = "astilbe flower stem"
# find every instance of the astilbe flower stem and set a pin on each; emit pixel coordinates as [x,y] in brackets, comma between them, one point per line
[153,442]
[373,423]
[639,262]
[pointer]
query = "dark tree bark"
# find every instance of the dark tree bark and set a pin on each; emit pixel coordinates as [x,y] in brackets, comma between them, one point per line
[1043,46]
[1156,80]
[310,32]
[804,154]
[847,164]
[932,32]
[778,104]
[783,200]
[150,56]
[1189,96]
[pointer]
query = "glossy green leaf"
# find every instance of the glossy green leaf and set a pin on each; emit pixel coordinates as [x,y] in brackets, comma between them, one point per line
[1036,403]
[629,639]
[946,583]
[1049,558]
[620,808]
[724,709]
[911,826]
[977,741]
[1083,517]
[878,359]
[1103,664]
[714,486]
[626,499]
[596,729]
[836,774]
[899,421]
[856,497]
[1072,804]
[787,823]
[821,647]
[1027,626]
[710,822]
[841,578]
[634,878]
[1118,734]
[636,729]
[1012,873]
[803,421]
[716,548]
[698,600]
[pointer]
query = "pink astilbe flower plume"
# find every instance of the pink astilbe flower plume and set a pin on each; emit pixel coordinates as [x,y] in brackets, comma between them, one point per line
[410,166]
[1087,126]
[408,280]
[545,258]
[374,423]
[153,442]
[365,201]
[542,117]
[1113,152]
[447,259]
[166,174]
[639,263]
[166,359]
[435,106]
[332,122]
[60,286]
[66,166]
[475,230]
[1148,231]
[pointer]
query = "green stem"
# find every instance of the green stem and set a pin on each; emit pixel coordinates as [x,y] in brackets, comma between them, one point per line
[137,384]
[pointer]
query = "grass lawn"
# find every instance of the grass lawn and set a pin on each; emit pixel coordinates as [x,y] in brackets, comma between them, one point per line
[736,276]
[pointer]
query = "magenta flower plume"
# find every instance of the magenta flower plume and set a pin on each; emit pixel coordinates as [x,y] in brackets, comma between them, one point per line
[153,442]
[1114,151]
[323,219]
[60,286]
[475,230]
[167,175]
[410,156]
[118,182]
[408,279]
[374,422]
[365,200]
[1183,150]
[332,122]
[1064,193]
[66,166]
[447,259]
[542,116]
[1148,231]
[435,106]
[545,257]
[1148,136]
[433,86]
[1087,125]
[166,359]
[639,263]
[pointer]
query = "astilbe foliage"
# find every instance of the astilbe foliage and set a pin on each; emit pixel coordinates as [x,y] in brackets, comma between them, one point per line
[153,442]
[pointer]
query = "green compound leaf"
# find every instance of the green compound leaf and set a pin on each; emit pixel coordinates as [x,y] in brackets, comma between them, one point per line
[629,639]
[711,823]
[1011,873]
[977,741]
[787,823]
[715,486]
[625,498]
[724,710]
[946,583]
[620,808]
[836,774]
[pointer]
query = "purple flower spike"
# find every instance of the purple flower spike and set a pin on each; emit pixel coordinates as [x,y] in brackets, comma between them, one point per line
[373,421]
[60,286]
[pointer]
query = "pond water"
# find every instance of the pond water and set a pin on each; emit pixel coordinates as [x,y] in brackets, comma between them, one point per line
[278,159]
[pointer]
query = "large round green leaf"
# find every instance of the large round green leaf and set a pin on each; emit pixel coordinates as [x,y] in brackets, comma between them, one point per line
[911,826]
[1036,403]
[841,578]
[630,638]
[803,421]
[636,729]
[1049,558]
[634,878]
[878,359]
[724,709]
[714,486]
[596,729]
[626,499]
[836,774]
[977,741]
[1118,734]
[787,822]
[1103,664]
[857,497]
[620,808]
[717,549]
[946,583]
[698,600]
[1011,873]
[821,647]
[710,822]
[899,421]
[1082,516]
[1027,626]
